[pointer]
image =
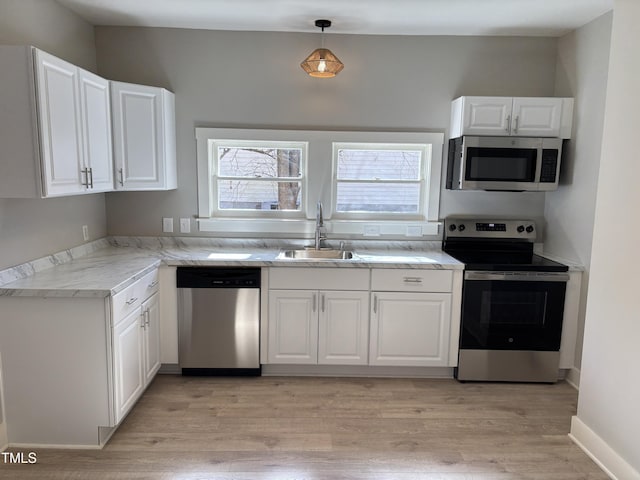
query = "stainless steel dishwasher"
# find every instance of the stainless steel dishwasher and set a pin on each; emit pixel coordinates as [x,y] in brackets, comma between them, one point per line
[218,320]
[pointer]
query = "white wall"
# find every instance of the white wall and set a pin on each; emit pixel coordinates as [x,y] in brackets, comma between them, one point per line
[34,228]
[608,421]
[583,64]
[253,80]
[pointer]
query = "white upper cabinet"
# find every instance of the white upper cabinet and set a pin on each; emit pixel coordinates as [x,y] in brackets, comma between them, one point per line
[144,137]
[95,107]
[512,116]
[60,128]
[55,122]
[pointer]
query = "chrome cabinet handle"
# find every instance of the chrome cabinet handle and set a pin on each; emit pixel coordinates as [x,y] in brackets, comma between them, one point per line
[147,318]
[508,127]
[121,177]
[322,302]
[314,302]
[152,284]
[131,301]
[515,130]
[90,177]
[375,304]
[412,280]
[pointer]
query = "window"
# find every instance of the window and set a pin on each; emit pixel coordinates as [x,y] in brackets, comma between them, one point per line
[379,180]
[258,175]
[265,182]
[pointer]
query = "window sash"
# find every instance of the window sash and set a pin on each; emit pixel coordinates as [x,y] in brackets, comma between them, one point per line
[216,201]
[421,180]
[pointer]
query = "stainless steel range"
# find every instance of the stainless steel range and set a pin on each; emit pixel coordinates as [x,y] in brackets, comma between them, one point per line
[512,301]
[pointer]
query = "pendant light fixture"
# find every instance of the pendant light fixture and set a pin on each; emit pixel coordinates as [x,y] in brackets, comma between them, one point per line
[322,62]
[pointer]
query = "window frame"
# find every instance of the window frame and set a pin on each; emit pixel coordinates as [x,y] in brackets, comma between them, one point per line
[422,181]
[318,173]
[216,211]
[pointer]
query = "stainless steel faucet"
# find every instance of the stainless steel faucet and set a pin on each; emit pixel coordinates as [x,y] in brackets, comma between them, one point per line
[320,236]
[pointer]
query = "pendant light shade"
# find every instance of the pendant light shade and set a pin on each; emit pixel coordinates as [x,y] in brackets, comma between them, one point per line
[322,62]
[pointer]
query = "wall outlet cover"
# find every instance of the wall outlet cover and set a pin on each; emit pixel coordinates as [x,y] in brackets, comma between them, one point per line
[167,225]
[185,225]
[371,231]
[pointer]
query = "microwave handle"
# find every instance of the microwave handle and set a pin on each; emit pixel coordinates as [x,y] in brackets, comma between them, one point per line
[508,127]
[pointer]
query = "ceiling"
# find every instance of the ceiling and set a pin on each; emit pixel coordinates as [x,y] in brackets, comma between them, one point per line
[369,17]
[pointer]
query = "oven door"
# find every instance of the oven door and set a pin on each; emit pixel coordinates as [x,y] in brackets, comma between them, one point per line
[512,310]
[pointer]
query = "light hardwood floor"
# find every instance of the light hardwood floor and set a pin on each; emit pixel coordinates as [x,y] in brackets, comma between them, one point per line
[188,428]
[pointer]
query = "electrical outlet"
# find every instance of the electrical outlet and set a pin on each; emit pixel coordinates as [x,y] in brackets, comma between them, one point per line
[185,225]
[85,232]
[167,225]
[371,231]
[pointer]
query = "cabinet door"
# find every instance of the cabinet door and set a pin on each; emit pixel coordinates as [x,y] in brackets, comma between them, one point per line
[343,329]
[59,121]
[96,129]
[486,116]
[536,117]
[293,326]
[410,329]
[128,362]
[138,137]
[151,337]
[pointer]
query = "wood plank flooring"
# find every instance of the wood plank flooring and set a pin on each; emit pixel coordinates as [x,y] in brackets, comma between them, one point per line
[188,428]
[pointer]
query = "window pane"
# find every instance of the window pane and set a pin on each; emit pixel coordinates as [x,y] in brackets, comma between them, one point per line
[258,195]
[259,162]
[354,164]
[378,197]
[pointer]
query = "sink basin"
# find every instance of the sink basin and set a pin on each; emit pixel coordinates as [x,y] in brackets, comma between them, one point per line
[310,254]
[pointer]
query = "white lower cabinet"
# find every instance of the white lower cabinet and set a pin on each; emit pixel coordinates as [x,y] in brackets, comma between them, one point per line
[136,354]
[318,327]
[293,326]
[89,360]
[318,316]
[410,329]
[128,363]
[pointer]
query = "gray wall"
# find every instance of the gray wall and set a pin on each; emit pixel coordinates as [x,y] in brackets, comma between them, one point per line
[34,228]
[253,79]
[583,62]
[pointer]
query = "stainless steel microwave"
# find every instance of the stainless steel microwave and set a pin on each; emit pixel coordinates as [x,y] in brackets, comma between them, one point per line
[504,163]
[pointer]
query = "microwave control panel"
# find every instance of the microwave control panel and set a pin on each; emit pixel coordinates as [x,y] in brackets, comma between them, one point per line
[549,165]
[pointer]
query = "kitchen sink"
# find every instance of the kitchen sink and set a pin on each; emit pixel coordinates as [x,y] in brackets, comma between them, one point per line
[312,254]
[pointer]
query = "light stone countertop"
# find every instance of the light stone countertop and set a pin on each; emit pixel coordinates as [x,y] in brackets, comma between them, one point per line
[109,269]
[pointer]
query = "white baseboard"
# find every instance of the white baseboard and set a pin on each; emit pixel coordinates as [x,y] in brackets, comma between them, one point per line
[42,446]
[600,452]
[573,377]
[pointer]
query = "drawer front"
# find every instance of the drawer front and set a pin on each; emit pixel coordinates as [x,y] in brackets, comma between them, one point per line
[411,280]
[321,278]
[126,301]
[147,285]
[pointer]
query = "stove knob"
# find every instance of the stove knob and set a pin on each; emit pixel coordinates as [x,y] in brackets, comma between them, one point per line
[452,227]
[461,227]
[520,228]
[529,228]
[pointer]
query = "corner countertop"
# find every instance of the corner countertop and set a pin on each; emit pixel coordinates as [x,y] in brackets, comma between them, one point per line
[113,265]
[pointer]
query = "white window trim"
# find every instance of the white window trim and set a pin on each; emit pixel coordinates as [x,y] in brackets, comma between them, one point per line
[214,144]
[423,181]
[319,186]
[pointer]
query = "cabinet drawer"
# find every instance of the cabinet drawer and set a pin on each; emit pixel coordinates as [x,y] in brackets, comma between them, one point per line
[411,280]
[321,278]
[126,301]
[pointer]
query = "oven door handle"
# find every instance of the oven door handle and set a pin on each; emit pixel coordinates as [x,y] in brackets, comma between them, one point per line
[518,276]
